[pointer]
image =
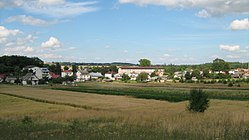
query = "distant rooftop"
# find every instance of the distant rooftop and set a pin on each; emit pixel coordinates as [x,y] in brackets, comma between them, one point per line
[138,67]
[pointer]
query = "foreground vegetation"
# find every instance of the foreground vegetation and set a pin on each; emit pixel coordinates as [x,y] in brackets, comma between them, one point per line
[41,113]
[119,129]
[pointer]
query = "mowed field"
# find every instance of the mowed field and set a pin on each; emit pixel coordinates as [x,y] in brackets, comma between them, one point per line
[56,114]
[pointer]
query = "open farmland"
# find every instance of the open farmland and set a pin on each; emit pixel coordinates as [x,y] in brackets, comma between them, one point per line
[56,114]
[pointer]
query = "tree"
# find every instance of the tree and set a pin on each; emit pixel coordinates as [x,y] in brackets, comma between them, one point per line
[153,74]
[74,69]
[142,77]
[188,76]
[144,62]
[206,73]
[66,68]
[55,68]
[199,101]
[125,78]
[220,65]
[196,73]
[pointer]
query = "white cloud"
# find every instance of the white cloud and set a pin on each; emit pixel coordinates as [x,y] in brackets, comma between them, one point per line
[233,56]
[51,2]
[60,10]
[108,46]
[52,43]
[50,56]
[230,47]
[20,50]
[51,8]
[11,3]
[3,40]
[29,20]
[4,32]
[203,14]
[212,7]
[166,55]
[242,24]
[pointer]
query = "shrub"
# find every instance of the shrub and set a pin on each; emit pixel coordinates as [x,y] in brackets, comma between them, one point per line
[230,84]
[199,101]
[142,77]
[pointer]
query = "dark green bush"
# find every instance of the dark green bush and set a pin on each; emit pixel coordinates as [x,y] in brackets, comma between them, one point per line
[230,84]
[199,101]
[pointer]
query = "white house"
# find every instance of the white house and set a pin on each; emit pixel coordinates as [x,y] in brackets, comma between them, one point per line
[40,73]
[96,75]
[82,75]
[66,73]
[110,75]
[30,77]
[137,70]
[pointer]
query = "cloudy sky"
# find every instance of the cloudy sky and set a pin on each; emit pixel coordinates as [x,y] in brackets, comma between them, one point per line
[164,31]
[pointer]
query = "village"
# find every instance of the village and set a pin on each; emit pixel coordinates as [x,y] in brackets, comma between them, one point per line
[34,75]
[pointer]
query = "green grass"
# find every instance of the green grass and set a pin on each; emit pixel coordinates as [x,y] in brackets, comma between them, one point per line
[171,95]
[106,129]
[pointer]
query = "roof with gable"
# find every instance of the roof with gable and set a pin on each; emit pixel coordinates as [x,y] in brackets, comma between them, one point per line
[83,72]
[30,76]
[53,75]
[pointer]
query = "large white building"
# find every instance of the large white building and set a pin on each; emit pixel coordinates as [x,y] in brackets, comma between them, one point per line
[137,70]
[40,73]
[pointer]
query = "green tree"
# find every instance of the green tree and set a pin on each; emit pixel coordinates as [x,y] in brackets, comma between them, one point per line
[125,78]
[196,73]
[199,101]
[74,69]
[170,70]
[188,76]
[144,62]
[66,68]
[206,73]
[142,77]
[220,65]
[55,68]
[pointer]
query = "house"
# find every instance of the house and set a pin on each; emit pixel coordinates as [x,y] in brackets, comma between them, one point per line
[30,78]
[11,80]
[39,72]
[137,70]
[96,75]
[133,76]
[82,75]
[110,75]
[246,75]
[134,71]
[66,73]
[53,75]
[2,77]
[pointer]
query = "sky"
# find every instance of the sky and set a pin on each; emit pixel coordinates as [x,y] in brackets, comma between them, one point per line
[163,31]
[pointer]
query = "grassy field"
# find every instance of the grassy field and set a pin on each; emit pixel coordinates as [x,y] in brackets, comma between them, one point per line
[173,92]
[55,114]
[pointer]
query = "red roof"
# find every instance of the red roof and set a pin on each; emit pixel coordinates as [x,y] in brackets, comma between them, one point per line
[67,71]
[53,75]
[2,75]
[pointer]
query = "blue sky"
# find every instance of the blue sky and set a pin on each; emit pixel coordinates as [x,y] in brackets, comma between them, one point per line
[164,31]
